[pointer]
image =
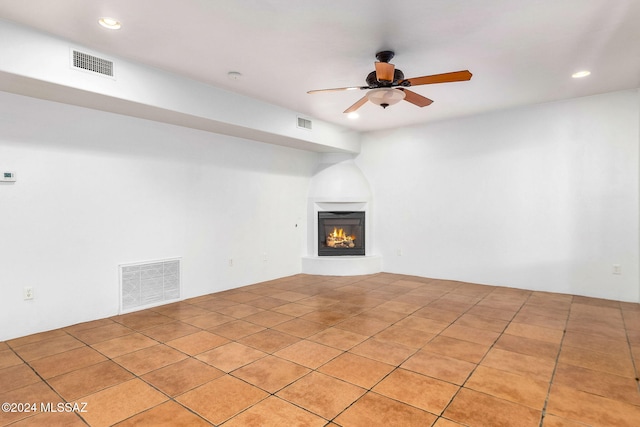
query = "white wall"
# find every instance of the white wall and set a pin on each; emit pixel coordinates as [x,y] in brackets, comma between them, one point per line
[543,197]
[97,189]
[36,64]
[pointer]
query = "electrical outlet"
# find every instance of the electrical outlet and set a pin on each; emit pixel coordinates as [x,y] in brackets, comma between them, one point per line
[28,292]
[399,252]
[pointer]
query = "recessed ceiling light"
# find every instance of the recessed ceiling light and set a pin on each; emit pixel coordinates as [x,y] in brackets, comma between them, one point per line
[234,75]
[353,115]
[110,23]
[580,74]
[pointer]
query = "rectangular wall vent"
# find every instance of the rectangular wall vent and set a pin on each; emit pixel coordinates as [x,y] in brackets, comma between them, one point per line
[148,284]
[87,62]
[304,123]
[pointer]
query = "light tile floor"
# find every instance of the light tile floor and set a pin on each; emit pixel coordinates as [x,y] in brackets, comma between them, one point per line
[378,350]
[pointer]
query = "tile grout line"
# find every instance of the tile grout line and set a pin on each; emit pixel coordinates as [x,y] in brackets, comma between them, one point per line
[135,376]
[347,351]
[335,357]
[267,354]
[461,386]
[636,369]
[555,366]
[392,297]
[44,380]
[169,398]
[370,389]
[230,373]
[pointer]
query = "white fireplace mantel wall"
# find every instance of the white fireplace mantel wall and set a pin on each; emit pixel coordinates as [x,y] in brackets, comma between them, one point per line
[339,185]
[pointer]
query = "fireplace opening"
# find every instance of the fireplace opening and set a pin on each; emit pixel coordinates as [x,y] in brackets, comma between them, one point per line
[340,233]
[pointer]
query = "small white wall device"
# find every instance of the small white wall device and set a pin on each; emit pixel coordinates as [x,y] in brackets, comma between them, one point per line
[7,176]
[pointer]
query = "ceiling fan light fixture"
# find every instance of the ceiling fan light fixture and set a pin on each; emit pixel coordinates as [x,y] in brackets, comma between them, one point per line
[385,97]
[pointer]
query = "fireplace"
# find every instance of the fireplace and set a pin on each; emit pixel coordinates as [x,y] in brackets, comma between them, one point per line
[341,233]
[339,191]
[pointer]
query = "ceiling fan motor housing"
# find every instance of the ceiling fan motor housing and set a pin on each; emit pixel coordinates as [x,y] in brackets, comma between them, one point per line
[373,82]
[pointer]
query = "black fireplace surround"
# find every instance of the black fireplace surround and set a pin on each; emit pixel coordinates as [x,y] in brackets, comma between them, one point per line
[340,233]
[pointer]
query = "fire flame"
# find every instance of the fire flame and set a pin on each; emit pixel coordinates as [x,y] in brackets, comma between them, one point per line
[340,234]
[340,239]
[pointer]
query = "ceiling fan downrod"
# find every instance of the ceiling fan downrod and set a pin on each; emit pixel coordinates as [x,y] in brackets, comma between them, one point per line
[385,55]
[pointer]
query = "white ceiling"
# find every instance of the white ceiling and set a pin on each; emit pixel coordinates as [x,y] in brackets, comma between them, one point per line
[519,51]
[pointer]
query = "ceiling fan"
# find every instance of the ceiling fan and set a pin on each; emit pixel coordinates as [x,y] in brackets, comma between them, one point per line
[387,85]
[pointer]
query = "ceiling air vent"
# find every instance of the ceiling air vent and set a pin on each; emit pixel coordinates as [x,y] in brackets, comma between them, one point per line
[84,61]
[304,123]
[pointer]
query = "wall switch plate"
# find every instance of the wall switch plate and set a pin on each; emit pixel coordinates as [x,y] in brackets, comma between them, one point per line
[27,293]
[617,269]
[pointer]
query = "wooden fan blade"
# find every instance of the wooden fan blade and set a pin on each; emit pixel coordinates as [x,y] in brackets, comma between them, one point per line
[337,89]
[357,105]
[416,99]
[384,71]
[456,76]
